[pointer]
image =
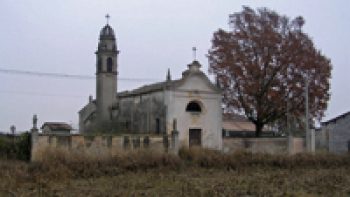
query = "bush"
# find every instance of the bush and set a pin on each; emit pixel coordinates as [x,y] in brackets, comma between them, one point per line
[15,147]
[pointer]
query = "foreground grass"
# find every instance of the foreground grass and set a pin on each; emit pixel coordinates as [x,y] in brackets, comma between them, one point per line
[194,173]
[211,182]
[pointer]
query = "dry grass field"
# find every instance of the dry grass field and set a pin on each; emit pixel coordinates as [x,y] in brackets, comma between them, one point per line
[192,173]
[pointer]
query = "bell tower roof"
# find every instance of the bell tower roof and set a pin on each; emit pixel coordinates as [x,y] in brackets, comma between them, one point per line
[107,31]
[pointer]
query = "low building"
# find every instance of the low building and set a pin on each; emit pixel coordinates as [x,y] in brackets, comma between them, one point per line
[237,126]
[335,134]
[234,125]
[56,128]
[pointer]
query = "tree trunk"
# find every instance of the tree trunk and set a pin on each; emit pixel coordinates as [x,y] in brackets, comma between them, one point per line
[258,129]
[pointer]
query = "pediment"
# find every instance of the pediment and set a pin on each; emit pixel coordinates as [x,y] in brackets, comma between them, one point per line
[197,82]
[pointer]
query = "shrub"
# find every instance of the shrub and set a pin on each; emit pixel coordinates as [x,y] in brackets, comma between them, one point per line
[15,147]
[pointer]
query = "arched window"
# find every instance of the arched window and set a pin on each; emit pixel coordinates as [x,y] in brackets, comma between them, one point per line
[99,65]
[193,106]
[109,64]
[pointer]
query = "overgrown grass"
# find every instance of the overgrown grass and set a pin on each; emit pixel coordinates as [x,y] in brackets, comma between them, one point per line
[215,159]
[194,172]
[63,164]
[80,165]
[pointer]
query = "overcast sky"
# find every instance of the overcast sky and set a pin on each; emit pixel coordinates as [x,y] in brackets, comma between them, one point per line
[61,36]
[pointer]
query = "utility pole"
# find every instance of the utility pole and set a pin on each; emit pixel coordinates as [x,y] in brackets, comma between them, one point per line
[290,137]
[309,135]
[307,115]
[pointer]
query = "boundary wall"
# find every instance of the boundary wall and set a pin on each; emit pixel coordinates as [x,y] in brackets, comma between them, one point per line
[106,145]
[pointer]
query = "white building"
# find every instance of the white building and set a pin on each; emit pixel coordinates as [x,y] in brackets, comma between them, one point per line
[192,101]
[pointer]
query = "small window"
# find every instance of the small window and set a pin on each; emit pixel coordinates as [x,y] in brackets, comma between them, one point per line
[109,64]
[193,107]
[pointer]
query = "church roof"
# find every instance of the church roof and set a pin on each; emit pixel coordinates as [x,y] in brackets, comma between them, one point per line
[193,70]
[150,88]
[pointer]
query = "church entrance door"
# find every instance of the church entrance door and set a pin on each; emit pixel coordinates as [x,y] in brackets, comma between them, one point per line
[195,137]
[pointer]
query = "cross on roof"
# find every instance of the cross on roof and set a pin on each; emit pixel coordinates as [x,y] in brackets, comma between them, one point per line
[194,50]
[107,17]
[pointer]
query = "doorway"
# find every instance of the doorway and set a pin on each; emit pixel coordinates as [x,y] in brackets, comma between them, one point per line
[195,137]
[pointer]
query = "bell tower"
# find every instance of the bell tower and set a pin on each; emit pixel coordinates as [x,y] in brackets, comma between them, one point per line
[106,73]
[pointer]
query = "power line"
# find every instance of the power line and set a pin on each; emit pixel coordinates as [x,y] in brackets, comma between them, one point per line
[40,94]
[63,75]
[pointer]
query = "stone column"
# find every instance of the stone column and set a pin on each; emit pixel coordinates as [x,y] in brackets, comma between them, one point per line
[312,140]
[165,142]
[34,139]
[290,144]
[175,139]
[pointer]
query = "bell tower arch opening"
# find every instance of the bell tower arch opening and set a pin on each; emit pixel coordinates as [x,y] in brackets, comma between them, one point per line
[109,65]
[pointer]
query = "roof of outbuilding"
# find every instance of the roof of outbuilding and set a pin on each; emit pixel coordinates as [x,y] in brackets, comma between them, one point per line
[333,120]
[54,126]
[234,117]
[235,122]
[238,126]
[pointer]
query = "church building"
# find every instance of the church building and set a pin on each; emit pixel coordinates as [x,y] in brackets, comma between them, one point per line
[191,104]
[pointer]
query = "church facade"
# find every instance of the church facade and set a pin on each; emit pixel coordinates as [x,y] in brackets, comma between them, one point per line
[191,105]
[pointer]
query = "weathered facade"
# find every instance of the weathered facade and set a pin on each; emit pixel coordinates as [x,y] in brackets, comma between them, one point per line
[192,102]
[99,146]
[335,134]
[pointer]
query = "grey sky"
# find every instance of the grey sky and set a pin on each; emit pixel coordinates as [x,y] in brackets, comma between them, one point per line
[152,35]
